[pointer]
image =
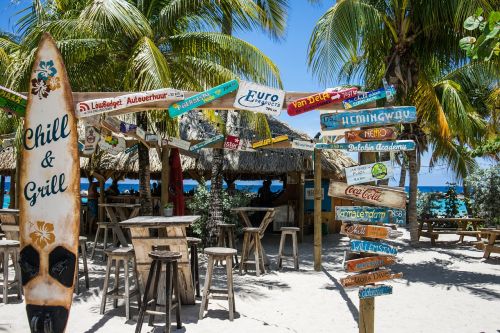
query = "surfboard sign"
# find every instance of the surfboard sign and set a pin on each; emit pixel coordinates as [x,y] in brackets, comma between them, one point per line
[368,117]
[258,98]
[103,105]
[49,205]
[368,97]
[367,278]
[368,263]
[372,247]
[202,98]
[368,231]
[12,102]
[375,195]
[267,142]
[374,291]
[305,104]
[374,146]
[371,134]
[303,145]
[208,142]
[369,172]
[362,214]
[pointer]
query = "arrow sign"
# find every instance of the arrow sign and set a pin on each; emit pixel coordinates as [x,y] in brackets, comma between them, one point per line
[362,214]
[303,145]
[379,290]
[12,102]
[368,117]
[371,134]
[369,172]
[367,97]
[217,138]
[375,146]
[367,278]
[372,247]
[368,263]
[378,196]
[312,102]
[361,230]
[267,142]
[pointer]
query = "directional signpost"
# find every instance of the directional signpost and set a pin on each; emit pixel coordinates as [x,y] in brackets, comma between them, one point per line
[368,97]
[379,290]
[198,146]
[361,230]
[312,102]
[375,195]
[368,263]
[371,134]
[268,142]
[375,146]
[369,172]
[362,214]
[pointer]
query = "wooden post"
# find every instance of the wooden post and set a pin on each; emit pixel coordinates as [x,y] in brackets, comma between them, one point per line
[165,177]
[367,315]
[301,206]
[317,210]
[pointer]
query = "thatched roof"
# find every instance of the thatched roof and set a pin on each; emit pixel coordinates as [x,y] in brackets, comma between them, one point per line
[237,164]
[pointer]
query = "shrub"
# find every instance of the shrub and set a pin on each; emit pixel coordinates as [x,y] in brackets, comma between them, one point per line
[484,193]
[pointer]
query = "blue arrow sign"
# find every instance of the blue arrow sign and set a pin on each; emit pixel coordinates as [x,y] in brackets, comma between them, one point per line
[373,146]
[205,97]
[198,146]
[368,117]
[373,291]
[372,247]
[367,97]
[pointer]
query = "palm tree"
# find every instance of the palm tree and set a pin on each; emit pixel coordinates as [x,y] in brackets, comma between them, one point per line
[407,42]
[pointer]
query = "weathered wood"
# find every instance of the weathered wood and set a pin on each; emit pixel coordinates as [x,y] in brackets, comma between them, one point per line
[267,142]
[368,263]
[313,102]
[372,247]
[367,315]
[160,221]
[317,210]
[374,291]
[369,172]
[301,190]
[367,278]
[369,231]
[369,97]
[362,214]
[371,134]
[373,146]
[378,196]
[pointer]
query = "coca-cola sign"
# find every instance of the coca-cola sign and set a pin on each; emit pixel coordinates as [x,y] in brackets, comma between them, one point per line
[379,196]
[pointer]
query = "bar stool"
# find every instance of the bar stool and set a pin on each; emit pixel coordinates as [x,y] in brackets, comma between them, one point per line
[219,253]
[82,244]
[103,226]
[124,256]
[171,278]
[193,259]
[292,231]
[2,236]
[227,238]
[251,240]
[10,249]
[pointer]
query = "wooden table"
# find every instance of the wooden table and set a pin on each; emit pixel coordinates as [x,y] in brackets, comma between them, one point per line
[168,233]
[120,212]
[461,231]
[493,234]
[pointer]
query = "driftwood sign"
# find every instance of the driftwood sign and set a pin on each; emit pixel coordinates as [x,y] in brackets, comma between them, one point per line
[375,195]
[374,291]
[176,142]
[368,97]
[367,278]
[371,134]
[303,145]
[267,142]
[362,214]
[368,263]
[374,146]
[312,102]
[208,142]
[361,230]
[369,172]
[372,247]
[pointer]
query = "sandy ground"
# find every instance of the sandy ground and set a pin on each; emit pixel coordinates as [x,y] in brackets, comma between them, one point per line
[448,288]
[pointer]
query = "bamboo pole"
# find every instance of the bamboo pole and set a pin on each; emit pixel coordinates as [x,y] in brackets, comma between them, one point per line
[367,315]
[165,179]
[317,210]
[301,206]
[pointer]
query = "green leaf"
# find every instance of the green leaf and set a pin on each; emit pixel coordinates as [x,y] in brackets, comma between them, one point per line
[478,12]
[472,22]
[494,20]
[467,43]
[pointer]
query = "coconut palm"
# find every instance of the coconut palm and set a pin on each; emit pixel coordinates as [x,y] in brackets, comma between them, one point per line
[409,43]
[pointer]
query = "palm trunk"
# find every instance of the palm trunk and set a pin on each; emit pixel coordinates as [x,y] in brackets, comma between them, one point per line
[412,204]
[2,189]
[402,176]
[145,199]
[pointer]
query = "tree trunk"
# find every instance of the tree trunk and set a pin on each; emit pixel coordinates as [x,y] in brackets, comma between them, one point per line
[412,204]
[144,171]
[402,177]
[2,189]
[384,156]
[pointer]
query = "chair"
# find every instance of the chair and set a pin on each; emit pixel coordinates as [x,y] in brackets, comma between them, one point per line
[193,259]
[251,240]
[292,231]
[82,244]
[227,238]
[103,226]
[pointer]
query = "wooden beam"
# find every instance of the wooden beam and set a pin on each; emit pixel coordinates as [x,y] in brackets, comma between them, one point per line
[165,177]
[317,209]
[367,315]
[301,206]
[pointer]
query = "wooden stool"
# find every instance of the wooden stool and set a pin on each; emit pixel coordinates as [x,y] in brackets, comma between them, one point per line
[219,253]
[125,255]
[193,258]
[10,248]
[2,236]
[292,231]
[103,226]
[251,240]
[171,276]
[82,243]
[227,238]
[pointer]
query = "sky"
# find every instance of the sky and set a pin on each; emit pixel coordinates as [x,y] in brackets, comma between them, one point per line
[290,55]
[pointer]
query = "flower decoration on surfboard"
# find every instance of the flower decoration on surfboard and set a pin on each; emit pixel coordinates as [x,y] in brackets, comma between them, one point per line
[43,234]
[46,79]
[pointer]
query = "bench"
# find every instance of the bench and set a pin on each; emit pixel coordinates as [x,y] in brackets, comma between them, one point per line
[433,233]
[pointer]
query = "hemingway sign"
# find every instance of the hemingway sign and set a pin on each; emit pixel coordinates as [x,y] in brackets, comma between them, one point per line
[362,214]
[96,106]
[368,117]
[378,196]
[369,172]
[372,134]
[312,102]
[257,98]
[374,146]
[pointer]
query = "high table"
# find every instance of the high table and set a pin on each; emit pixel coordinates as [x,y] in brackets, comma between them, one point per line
[119,212]
[167,233]
[461,231]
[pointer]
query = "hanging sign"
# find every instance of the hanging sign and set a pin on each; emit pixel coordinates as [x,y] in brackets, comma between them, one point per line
[398,216]
[49,204]
[369,172]
[127,128]
[12,102]
[303,145]
[374,291]
[246,145]
[367,278]
[232,142]
[361,230]
[198,146]
[375,195]
[112,144]
[258,98]
[372,247]
[371,134]
[315,101]
[368,117]
[92,137]
[368,263]
[175,142]
[202,98]
[96,106]
[132,149]
[368,97]
[267,142]
[140,133]
[374,146]
[150,137]
[362,214]
[309,193]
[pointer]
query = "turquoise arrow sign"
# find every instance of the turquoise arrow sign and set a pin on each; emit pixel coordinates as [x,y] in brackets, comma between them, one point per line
[372,247]
[198,146]
[367,97]
[374,146]
[373,291]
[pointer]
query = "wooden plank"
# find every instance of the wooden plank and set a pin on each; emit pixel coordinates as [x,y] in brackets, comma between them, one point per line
[368,117]
[398,216]
[374,146]
[312,102]
[374,291]
[361,230]
[371,134]
[367,278]
[303,145]
[378,196]
[369,172]
[366,315]
[368,263]
[372,247]
[368,97]
[362,214]
[271,141]
[317,210]
[208,142]
[159,221]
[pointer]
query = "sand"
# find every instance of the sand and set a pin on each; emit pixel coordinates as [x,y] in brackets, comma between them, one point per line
[448,288]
